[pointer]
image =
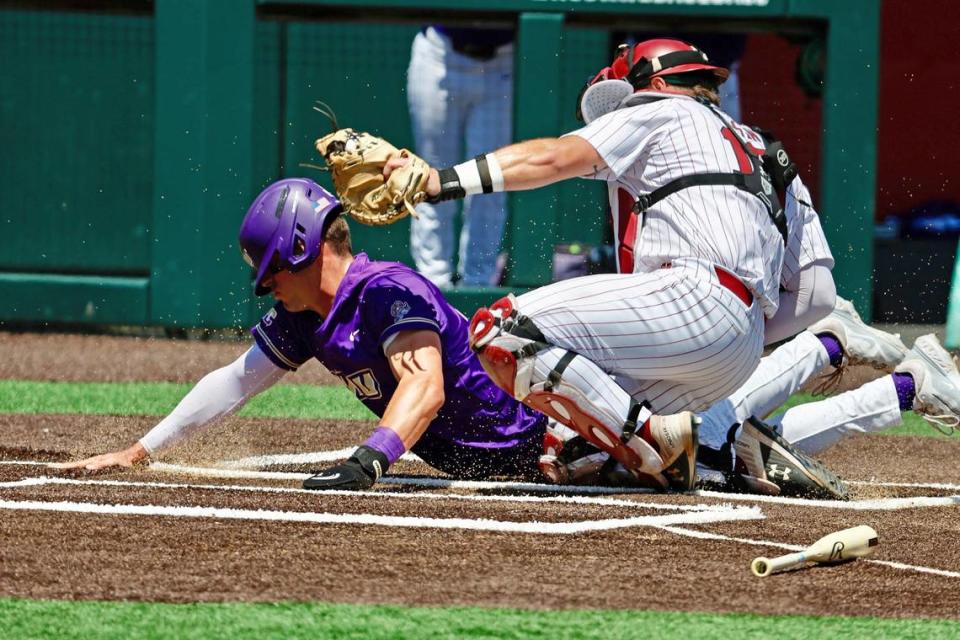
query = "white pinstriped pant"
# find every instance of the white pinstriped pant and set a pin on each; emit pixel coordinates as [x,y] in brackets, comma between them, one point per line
[812,427]
[674,337]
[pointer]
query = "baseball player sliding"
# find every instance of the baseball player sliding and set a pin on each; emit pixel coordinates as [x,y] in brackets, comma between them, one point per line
[385,330]
[387,333]
[701,240]
[392,338]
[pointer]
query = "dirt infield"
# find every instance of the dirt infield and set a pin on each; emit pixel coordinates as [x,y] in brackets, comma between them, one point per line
[257,537]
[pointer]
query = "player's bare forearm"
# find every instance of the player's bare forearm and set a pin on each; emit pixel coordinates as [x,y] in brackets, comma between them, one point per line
[413,407]
[532,163]
[416,361]
[543,161]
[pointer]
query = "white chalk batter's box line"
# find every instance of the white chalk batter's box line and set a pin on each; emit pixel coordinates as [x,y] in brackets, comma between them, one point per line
[692,515]
[880,504]
[696,514]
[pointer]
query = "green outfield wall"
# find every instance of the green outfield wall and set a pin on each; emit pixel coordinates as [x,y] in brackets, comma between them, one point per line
[135,134]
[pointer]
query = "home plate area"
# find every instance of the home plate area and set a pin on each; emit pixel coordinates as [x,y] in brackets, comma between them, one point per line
[244,489]
[243,529]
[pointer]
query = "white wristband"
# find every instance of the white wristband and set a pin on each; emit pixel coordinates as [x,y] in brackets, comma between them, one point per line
[480,175]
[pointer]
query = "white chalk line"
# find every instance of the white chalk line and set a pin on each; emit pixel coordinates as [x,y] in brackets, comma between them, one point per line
[906,485]
[578,500]
[235,469]
[879,504]
[876,504]
[254,462]
[444,483]
[549,528]
[705,535]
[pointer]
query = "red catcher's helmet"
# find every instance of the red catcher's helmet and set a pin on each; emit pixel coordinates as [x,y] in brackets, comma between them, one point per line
[658,57]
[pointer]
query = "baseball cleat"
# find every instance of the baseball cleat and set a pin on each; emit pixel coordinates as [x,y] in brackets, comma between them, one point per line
[937,383]
[675,439]
[862,344]
[768,464]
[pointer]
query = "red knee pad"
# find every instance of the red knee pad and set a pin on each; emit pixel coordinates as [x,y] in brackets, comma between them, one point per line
[502,308]
[485,323]
[482,323]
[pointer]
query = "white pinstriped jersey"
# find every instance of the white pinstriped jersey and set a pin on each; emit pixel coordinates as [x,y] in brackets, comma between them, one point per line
[808,244]
[655,139]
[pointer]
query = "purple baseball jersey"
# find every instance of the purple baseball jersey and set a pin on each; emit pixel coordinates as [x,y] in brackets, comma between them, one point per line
[479,431]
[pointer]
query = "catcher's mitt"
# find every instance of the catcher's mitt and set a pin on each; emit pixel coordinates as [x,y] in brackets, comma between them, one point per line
[356,162]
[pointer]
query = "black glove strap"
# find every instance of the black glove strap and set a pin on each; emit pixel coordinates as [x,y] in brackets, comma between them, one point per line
[373,462]
[450,188]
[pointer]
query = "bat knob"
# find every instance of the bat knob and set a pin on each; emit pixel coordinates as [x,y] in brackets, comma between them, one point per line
[760,567]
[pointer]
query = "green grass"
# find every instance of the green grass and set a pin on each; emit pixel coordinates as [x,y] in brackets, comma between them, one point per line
[283,401]
[159,398]
[27,619]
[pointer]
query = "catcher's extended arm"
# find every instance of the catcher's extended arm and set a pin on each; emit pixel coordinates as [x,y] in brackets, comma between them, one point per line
[356,161]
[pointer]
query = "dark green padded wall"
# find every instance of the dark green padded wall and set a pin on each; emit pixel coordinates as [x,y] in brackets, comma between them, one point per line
[583,203]
[76,130]
[268,96]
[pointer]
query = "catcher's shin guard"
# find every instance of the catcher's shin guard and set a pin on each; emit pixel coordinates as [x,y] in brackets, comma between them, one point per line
[661,449]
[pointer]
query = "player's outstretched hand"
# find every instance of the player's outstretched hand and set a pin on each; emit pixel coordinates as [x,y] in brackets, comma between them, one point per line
[358,473]
[125,458]
[397,161]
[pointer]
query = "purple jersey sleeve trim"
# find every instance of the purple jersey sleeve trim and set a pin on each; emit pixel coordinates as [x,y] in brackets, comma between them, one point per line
[408,324]
[275,355]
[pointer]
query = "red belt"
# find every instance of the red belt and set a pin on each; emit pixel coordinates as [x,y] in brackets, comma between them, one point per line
[734,284]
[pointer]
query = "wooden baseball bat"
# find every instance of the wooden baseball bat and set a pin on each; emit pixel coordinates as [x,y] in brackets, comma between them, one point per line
[839,546]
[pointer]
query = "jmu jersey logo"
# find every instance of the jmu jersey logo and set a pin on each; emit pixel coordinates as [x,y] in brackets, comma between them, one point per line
[363,383]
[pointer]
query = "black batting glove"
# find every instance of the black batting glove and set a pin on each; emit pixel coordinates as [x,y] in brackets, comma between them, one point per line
[358,473]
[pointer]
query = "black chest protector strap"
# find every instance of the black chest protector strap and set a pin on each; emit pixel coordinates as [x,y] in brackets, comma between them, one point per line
[772,172]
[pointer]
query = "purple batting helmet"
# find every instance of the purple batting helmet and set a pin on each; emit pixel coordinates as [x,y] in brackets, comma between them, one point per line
[284,227]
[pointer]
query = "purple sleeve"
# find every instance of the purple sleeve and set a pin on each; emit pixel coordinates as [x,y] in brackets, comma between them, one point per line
[277,336]
[395,303]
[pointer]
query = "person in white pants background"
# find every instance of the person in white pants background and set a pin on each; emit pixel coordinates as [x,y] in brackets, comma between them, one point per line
[460,94]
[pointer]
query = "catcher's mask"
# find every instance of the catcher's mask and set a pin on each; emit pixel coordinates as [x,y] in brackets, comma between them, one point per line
[636,67]
[284,227]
